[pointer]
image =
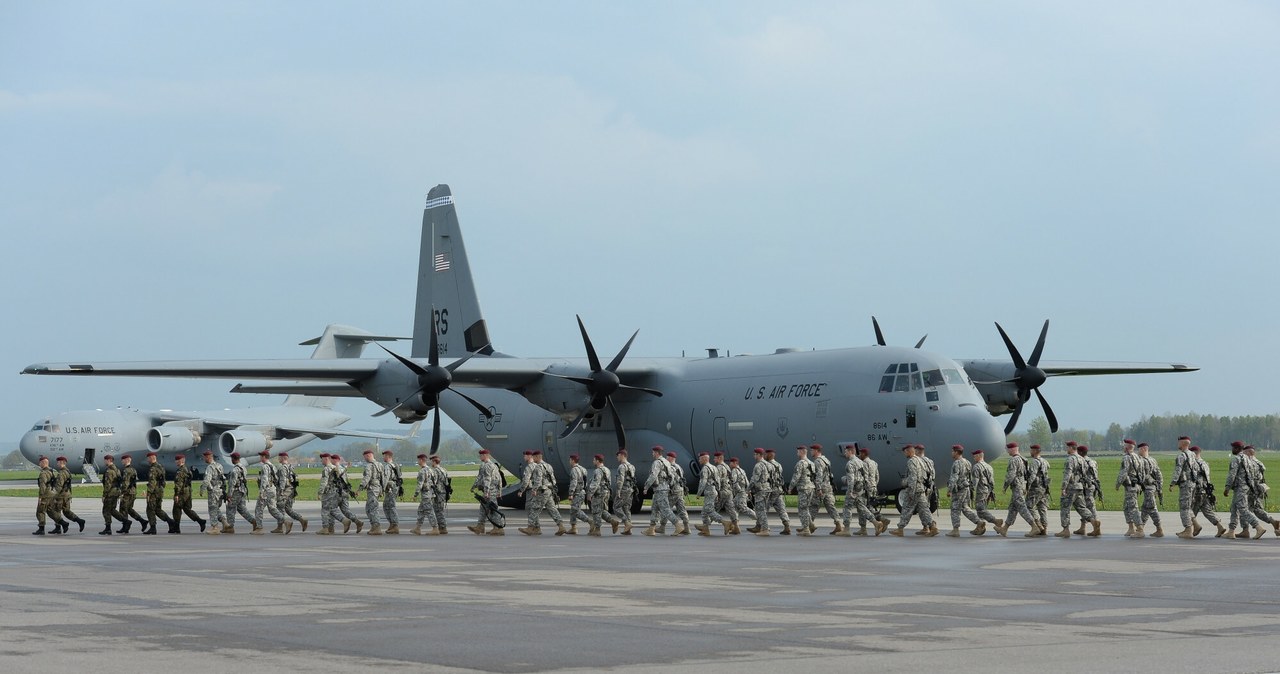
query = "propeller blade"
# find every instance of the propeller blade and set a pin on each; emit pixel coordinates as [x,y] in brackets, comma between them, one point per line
[591,350]
[1048,412]
[573,426]
[879,335]
[1013,350]
[434,356]
[617,426]
[921,342]
[1013,421]
[483,410]
[650,391]
[414,367]
[617,360]
[458,363]
[1035,353]
[435,431]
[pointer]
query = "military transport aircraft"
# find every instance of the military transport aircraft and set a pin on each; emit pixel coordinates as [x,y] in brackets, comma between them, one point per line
[84,437]
[879,396]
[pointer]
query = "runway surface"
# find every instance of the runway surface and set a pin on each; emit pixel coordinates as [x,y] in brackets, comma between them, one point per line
[520,604]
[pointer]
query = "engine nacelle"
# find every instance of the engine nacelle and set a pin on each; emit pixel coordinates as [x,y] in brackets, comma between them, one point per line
[172,438]
[246,441]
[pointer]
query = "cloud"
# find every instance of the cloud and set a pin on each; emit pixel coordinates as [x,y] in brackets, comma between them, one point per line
[182,197]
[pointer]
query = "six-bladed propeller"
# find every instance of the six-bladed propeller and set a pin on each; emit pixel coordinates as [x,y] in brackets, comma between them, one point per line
[1028,377]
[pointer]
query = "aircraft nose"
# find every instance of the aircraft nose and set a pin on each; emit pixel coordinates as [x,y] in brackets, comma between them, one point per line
[27,447]
[974,428]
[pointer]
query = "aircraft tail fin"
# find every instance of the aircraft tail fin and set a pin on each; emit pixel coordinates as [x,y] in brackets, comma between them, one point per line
[338,341]
[446,292]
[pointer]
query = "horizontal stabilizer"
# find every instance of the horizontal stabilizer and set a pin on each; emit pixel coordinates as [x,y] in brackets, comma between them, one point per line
[301,389]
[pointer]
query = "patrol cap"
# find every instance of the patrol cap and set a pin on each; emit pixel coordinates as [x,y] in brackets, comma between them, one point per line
[718,454]
[758,450]
[816,446]
[422,456]
[573,457]
[599,457]
[385,452]
[671,455]
[484,451]
[283,455]
[975,452]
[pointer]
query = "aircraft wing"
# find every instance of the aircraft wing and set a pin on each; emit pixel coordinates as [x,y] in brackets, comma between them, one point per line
[285,430]
[340,369]
[1077,368]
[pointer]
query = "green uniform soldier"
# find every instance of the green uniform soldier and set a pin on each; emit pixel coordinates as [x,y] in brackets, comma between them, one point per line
[443,490]
[598,496]
[1206,501]
[62,494]
[426,495]
[1184,470]
[155,496]
[110,494]
[393,489]
[46,505]
[128,495]
[213,486]
[182,497]
[626,491]
[237,493]
[709,490]
[288,493]
[960,491]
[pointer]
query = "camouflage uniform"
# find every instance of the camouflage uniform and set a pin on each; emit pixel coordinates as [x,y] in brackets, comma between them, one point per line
[288,493]
[393,488]
[1205,501]
[47,502]
[237,497]
[1127,479]
[1072,490]
[626,493]
[212,485]
[598,495]
[155,497]
[1184,478]
[709,490]
[660,483]
[111,496]
[488,482]
[267,481]
[984,487]
[344,497]
[371,483]
[855,495]
[761,487]
[62,495]
[328,495]
[1240,481]
[914,485]
[930,483]
[678,491]
[128,495]
[960,486]
[442,496]
[823,492]
[577,497]
[1092,492]
[1152,482]
[542,485]
[182,498]
[739,484]
[426,495]
[776,492]
[1038,490]
[802,486]
[1258,494]
[1015,480]
[872,470]
[526,488]
[724,495]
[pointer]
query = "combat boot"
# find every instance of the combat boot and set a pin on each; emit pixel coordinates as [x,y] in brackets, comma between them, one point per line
[862,531]
[1221,530]
[417,531]
[1244,533]
[229,529]
[836,531]
[812,527]
[532,531]
[144,526]
[803,531]
[80,523]
[923,532]
[1002,530]
[124,528]
[394,529]
[845,532]
[1275,524]
[954,533]
[433,532]
[279,529]
[1129,533]
[684,529]
[615,524]
[288,527]
[346,526]
[107,531]
[703,530]
[560,530]
[304,525]
[1231,533]
[593,531]
[1080,531]
[1035,531]
[443,529]
[626,529]
[1159,532]
[57,527]
[497,531]
[1066,532]
[257,529]
[359,526]
[980,529]
[175,527]
[933,531]
[151,532]
[728,528]
[573,529]
[647,532]
[760,532]
[897,531]
[786,529]
[39,531]
[1138,532]
[1185,533]
[1195,528]
[882,527]
[1258,532]
[324,531]
[753,529]
[375,530]
[1097,528]
[477,529]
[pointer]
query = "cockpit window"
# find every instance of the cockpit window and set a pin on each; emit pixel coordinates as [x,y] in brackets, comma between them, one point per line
[38,427]
[953,376]
[933,378]
[886,383]
[893,367]
[907,378]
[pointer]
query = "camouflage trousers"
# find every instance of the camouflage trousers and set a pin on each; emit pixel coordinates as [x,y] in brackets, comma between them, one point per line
[389,506]
[267,502]
[47,506]
[109,511]
[661,512]
[823,499]
[577,508]
[741,507]
[127,499]
[238,505]
[182,506]
[1131,513]
[1018,506]
[1186,504]
[1090,504]
[709,514]
[155,510]
[213,499]
[62,505]
[1259,508]
[678,506]
[960,507]
[328,510]
[285,504]
[1203,505]
[540,504]
[481,520]
[804,501]
[622,505]
[725,505]
[981,500]
[442,511]
[373,506]
[1150,497]
[779,507]
[427,511]
[1241,513]
[917,503]
[856,501]
[1073,499]
[599,513]
[344,508]
[1038,504]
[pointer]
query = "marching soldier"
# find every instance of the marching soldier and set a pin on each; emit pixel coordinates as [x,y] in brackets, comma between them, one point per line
[393,488]
[577,495]
[725,503]
[930,483]
[598,494]
[526,476]
[679,488]
[155,496]
[855,493]
[739,485]
[626,492]
[1205,501]
[761,483]
[1015,482]
[47,502]
[62,494]
[545,497]
[872,470]
[1234,472]
[823,491]
[1258,493]
[267,495]
[659,484]
[914,484]
[1038,489]
[1092,489]
[238,496]
[802,486]
[371,483]
[288,488]
[110,494]
[489,483]
[213,488]
[1242,478]
[984,490]
[426,495]
[182,497]
[1072,493]
[327,492]
[959,490]
[1127,479]
[1152,483]
[776,492]
[708,489]
[444,489]
[1184,469]
[128,495]
[345,492]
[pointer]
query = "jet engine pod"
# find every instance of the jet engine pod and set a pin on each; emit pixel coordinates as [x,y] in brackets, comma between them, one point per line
[245,441]
[172,438]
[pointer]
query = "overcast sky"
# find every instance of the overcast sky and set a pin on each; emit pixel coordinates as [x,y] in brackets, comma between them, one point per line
[220,180]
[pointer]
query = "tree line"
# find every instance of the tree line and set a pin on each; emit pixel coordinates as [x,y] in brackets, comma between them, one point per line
[1162,431]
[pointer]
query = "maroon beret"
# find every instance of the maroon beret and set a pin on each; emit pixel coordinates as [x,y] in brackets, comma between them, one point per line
[733,459]
[264,453]
[1143,444]
[1237,443]
[671,455]
[573,456]
[1084,450]
[718,454]
[1035,446]
[1195,448]
[367,451]
[599,457]
[210,453]
[1011,445]
[976,452]
[435,457]
[283,455]
[959,447]
[816,446]
[62,459]
[700,454]
[769,451]
[422,456]
[108,458]
[149,454]
[323,455]
[536,452]
[621,452]
[657,448]
[1183,437]
[180,457]
[387,452]
[484,451]
[758,450]
[1127,441]
[235,455]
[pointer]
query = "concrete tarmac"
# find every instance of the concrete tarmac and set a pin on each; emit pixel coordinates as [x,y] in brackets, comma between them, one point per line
[724,604]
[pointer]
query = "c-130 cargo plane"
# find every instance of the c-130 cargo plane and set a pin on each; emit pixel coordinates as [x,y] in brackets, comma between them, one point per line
[881,397]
